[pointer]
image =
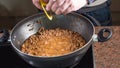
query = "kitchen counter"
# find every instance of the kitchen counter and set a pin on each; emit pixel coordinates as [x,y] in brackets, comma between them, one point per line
[107,54]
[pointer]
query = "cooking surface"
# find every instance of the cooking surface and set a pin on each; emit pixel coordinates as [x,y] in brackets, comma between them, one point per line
[9,59]
[107,54]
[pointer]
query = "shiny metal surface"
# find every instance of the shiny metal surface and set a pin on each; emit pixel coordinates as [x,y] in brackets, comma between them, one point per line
[29,26]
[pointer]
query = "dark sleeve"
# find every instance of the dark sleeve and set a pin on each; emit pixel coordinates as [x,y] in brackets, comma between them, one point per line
[109,2]
[90,1]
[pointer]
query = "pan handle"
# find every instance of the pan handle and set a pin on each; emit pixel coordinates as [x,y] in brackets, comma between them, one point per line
[104,34]
[4,35]
[101,35]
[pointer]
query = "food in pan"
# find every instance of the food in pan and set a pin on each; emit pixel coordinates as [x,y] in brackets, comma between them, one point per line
[52,42]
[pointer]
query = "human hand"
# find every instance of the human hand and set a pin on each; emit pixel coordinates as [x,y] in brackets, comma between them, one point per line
[37,3]
[65,6]
[62,6]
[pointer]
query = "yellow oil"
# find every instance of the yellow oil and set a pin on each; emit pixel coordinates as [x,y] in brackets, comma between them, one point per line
[43,5]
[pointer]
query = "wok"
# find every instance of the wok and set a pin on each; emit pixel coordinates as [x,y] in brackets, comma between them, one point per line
[73,21]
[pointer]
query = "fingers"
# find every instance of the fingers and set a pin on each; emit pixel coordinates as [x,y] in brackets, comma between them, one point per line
[60,2]
[37,3]
[49,5]
[61,6]
[70,9]
[58,11]
[65,6]
[46,1]
[54,7]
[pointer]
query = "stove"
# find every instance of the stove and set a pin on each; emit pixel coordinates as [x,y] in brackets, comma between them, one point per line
[9,59]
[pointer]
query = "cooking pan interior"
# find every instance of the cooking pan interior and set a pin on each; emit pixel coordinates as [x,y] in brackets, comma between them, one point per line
[30,25]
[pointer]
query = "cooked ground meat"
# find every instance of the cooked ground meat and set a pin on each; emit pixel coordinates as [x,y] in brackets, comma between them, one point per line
[52,42]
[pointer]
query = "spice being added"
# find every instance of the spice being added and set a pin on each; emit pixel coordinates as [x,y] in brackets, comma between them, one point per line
[52,42]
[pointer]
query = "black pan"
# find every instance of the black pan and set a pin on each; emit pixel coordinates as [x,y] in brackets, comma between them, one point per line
[73,21]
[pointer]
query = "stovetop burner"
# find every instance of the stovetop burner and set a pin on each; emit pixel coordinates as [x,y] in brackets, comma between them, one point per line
[9,59]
